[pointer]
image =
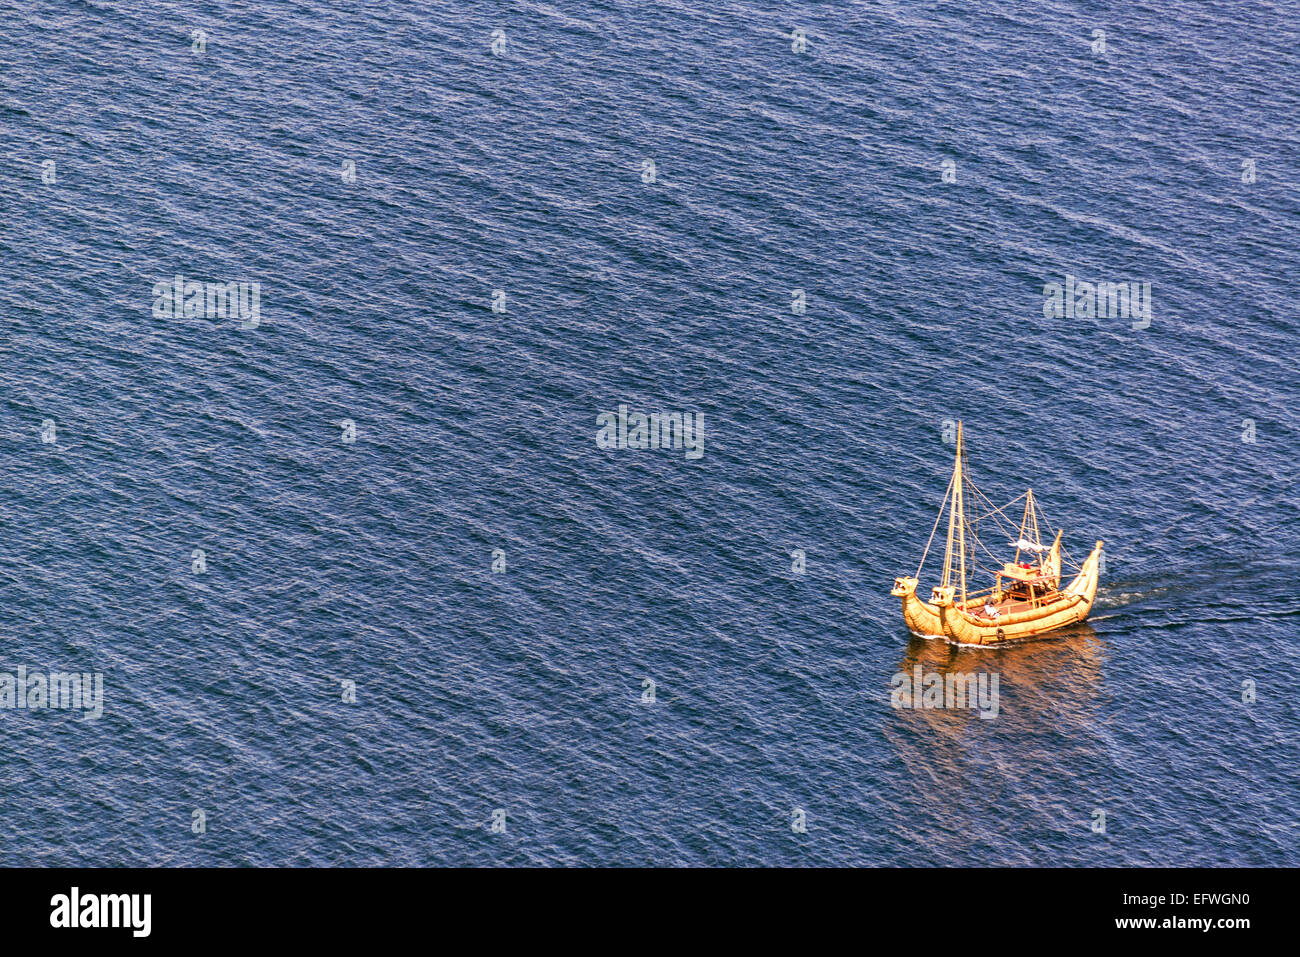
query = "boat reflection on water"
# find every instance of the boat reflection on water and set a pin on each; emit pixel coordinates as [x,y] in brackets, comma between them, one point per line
[972,772]
[1052,677]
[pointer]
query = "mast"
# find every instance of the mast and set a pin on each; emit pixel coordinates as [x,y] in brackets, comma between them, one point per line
[1032,507]
[1053,563]
[956,524]
[961,516]
[1029,525]
[1029,504]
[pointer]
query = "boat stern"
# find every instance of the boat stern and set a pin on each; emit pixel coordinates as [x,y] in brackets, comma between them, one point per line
[1085,583]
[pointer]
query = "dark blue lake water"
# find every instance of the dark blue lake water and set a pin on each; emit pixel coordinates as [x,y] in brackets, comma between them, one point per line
[382,173]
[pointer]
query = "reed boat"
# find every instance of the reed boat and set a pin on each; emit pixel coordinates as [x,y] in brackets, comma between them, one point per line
[1026,599]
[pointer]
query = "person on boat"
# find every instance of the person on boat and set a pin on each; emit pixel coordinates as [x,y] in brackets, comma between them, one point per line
[989,610]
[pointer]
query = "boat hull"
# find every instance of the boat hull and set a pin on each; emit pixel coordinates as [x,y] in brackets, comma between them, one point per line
[921,617]
[1073,606]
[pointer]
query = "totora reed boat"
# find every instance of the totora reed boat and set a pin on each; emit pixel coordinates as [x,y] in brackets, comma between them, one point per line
[1026,599]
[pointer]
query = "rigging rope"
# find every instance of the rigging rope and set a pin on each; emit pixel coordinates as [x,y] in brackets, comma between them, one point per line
[1065,560]
[933,530]
[1005,524]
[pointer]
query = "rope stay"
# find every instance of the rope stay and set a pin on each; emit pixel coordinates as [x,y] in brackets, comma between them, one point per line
[985,509]
[937,519]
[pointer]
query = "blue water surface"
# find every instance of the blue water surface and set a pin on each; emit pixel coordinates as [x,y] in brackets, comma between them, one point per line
[778,166]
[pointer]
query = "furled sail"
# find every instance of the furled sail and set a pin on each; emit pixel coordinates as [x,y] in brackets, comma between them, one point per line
[1028,546]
